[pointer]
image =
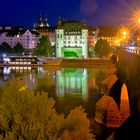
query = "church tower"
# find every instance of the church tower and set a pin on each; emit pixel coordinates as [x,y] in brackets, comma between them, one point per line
[46,21]
[40,23]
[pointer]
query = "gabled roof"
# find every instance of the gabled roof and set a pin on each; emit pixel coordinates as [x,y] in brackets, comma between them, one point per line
[14,32]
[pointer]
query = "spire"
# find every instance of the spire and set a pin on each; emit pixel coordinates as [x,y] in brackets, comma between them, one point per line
[59,21]
[46,21]
[40,23]
[40,18]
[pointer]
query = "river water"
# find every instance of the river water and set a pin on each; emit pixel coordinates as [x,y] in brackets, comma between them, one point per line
[70,87]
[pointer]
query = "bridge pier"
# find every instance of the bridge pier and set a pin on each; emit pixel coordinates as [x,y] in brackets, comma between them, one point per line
[128,73]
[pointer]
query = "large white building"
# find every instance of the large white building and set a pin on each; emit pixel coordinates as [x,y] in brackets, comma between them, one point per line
[71,39]
[12,36]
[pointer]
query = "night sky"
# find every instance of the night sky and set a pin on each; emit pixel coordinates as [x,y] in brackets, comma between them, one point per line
[95,12]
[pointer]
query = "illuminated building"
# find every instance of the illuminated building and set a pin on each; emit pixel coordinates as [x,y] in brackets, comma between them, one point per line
[12,36]
[108,33]
[44,29]
[71,39]
[136,39]
[92,36]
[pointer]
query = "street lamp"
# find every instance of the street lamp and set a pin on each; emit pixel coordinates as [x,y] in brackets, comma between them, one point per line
[124,33]
[139,20]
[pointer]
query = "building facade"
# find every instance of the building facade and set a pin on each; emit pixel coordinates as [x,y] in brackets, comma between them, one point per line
[108,33]
[44,29]
[93,32]
[71,39]
[12,36]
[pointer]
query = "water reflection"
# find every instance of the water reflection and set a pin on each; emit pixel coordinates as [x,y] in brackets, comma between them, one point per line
[71,81]
[62,83]
[70,87]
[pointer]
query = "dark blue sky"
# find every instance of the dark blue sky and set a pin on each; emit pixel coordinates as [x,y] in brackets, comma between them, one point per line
[107,12]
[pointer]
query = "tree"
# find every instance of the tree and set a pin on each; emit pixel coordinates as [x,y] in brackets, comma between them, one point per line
[102,47]
[44,47]
[5,48]
[18,48]
[25,115]
[91,52]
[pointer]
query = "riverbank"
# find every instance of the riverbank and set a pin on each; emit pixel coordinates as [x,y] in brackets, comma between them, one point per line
[66,63]
[85,62]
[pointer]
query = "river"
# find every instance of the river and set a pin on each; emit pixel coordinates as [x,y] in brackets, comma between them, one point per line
[70,87]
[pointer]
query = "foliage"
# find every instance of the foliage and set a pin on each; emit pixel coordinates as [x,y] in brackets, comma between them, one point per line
[91,52]
[102,47]
[44,47]
[25,115]
[77,128]
[5,48]
[18,48]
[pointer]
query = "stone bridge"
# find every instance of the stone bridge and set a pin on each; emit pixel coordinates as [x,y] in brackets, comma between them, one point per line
[128,67]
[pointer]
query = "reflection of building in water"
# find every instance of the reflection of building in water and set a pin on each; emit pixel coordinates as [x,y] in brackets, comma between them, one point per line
[25,73]
[71,81]
[6,71]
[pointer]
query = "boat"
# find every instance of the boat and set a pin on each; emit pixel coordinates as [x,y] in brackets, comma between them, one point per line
[20,60]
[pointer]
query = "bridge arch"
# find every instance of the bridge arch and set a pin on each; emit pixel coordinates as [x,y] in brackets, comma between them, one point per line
[128,71]
[107,111]
[124,104]
[119,91]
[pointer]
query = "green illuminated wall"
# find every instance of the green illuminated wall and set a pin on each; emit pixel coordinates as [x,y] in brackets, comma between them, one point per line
[72,52]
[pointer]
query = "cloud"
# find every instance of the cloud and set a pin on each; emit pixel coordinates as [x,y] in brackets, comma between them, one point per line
[88,7]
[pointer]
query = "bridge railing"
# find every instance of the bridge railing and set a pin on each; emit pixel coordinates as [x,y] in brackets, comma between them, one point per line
[135,50]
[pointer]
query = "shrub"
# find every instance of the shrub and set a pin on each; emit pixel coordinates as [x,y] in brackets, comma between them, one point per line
[25,115]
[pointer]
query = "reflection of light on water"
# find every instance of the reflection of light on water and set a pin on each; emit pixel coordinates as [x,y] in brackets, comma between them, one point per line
[71,81]
[6,70]
[31,77]
[85,72]
[21,68]
[40,69]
